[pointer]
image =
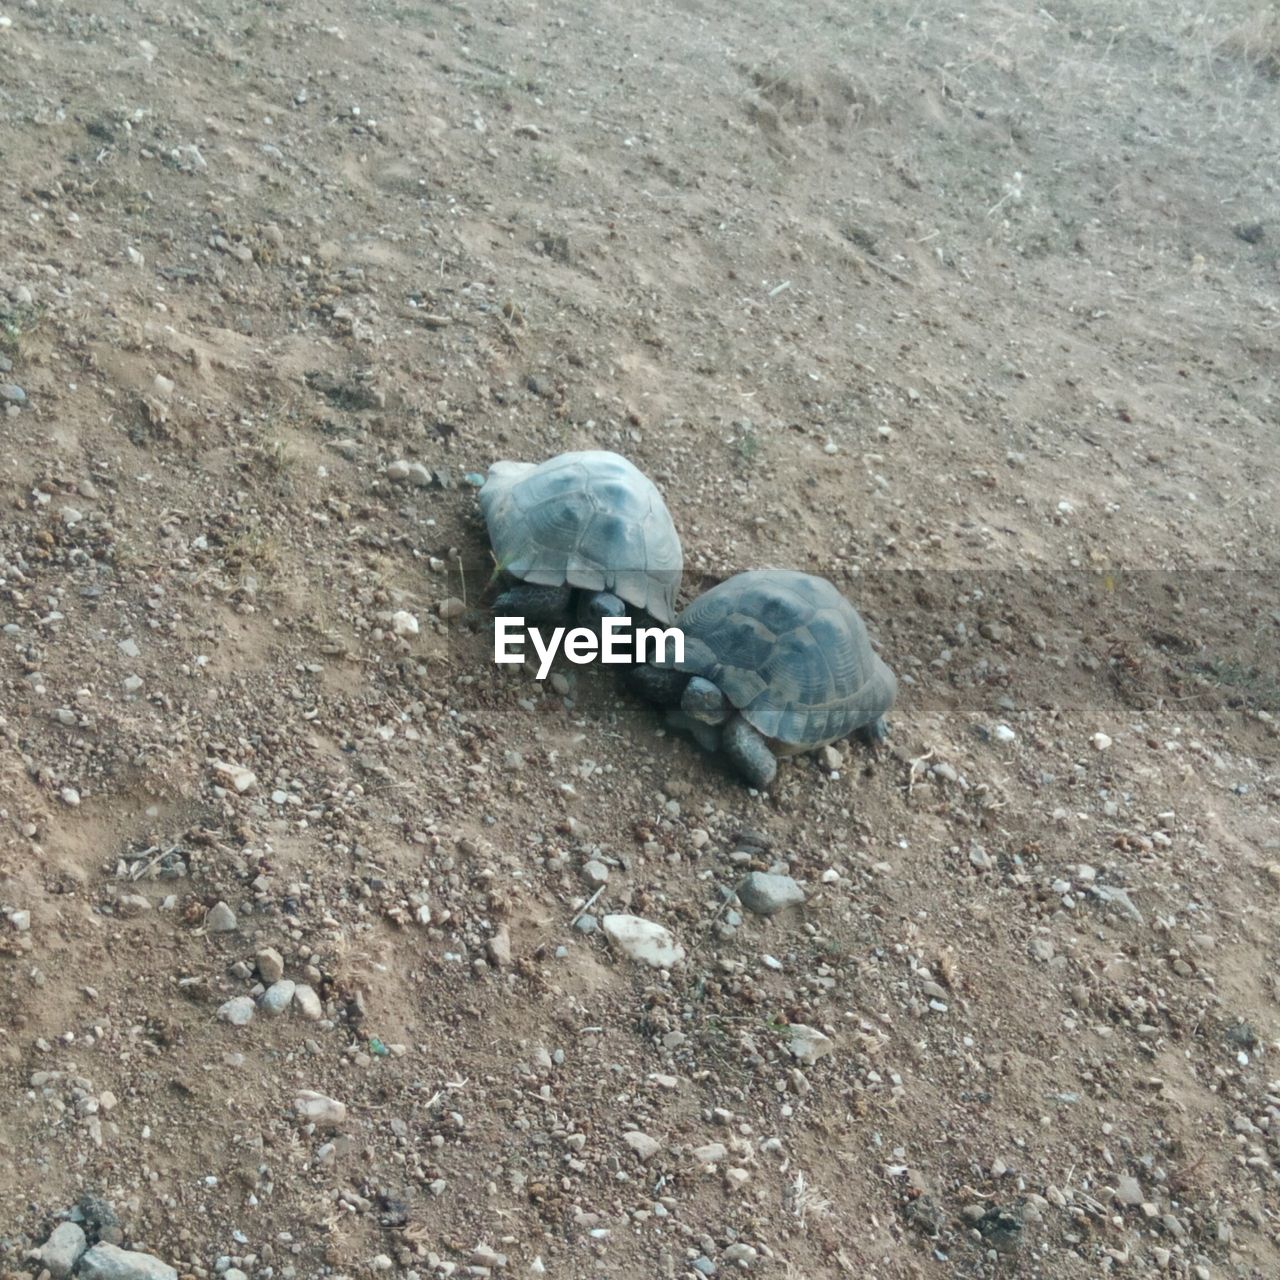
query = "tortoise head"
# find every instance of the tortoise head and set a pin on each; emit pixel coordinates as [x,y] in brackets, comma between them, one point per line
[704,702]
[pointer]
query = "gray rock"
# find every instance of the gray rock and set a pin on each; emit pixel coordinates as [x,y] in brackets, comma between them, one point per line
[238,1012]
[221,919]
[278,997]
[109,1262]
[765,895]
[1041,949]
[642,1144]
[586,924]
[62,1250]
[13,393]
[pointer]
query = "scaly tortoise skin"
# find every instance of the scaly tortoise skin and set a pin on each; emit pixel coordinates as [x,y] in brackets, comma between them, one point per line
[775,663]
[589,522]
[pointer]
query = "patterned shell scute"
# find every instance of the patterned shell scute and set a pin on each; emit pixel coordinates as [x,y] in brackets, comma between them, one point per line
[590,519]
[791,653]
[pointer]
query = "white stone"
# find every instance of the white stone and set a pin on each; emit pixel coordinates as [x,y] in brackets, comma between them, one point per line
[237,1011]
[240,778]
[319,1110]
[1100,741]
[308,1002]
[808,1044]
[1129,1190]
[642,940]
[403,623]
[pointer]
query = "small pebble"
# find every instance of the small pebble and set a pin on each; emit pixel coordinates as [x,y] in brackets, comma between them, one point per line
[595,873]
[308,1002]
[270,965]
[499,947]
[220,919]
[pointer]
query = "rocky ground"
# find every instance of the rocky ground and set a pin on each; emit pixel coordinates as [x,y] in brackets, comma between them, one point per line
[306,960]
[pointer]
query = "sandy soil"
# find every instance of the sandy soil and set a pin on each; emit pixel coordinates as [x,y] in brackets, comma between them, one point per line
[976,312]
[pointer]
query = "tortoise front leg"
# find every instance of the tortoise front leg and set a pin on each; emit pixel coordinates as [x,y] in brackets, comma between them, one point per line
[749,753]
[873,734]
[657,684]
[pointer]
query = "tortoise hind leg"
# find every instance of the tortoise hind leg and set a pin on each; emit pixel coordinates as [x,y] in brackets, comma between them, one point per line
[533,603]
[749,753]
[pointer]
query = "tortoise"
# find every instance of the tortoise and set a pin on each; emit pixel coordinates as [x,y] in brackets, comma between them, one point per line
[589,522]
[775,663]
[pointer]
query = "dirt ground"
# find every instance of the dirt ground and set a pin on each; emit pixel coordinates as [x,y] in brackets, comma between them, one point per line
[975,311]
